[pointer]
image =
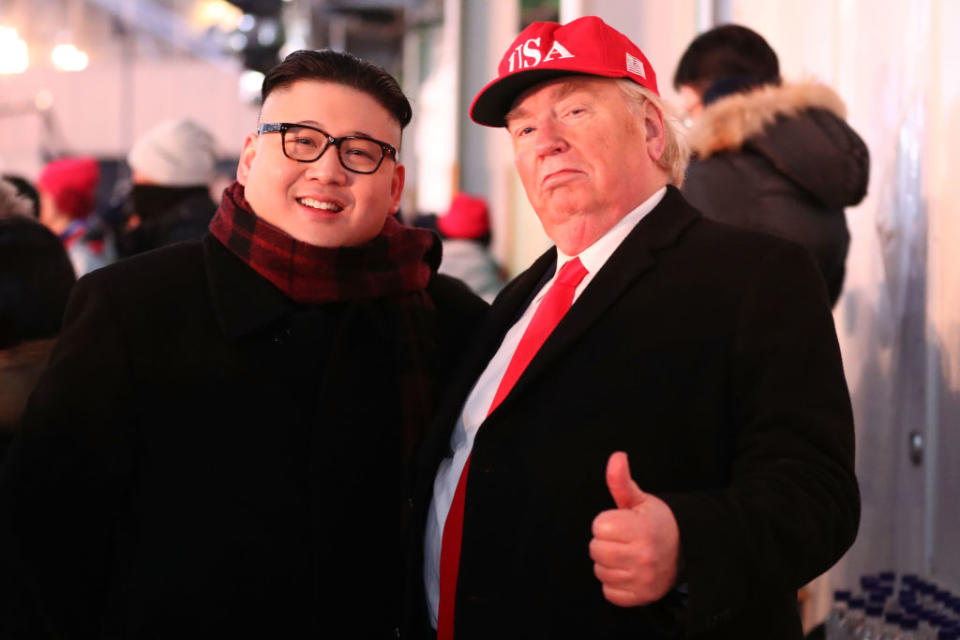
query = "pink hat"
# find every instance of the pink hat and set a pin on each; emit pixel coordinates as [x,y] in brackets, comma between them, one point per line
[467,218]
[72,182]
[547,50]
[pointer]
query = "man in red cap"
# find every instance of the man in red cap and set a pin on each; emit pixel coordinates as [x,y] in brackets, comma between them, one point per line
[67,188]
[650,436]
[465,231]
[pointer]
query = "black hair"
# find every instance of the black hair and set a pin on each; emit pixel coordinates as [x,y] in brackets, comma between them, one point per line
[729,51]
[342,68]
[35,281]
[25,189]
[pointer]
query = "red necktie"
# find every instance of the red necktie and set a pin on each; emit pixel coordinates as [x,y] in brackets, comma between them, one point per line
[552,308]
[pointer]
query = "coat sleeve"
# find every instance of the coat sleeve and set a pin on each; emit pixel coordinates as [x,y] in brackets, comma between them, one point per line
[68,476]
[791,507]
[459,311]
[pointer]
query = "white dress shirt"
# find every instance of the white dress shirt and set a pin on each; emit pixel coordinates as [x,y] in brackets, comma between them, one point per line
[478,402]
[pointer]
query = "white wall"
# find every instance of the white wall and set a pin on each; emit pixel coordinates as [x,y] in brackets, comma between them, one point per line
[943,310]
[436,123]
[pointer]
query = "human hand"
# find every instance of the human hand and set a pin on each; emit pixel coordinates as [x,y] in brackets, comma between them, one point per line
[635,547]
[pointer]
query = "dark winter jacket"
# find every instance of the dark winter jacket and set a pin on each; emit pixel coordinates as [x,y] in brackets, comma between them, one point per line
[781,159]
[206,458]
[185,219]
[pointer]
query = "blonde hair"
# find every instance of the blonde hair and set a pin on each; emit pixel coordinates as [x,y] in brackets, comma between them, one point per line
[676,152]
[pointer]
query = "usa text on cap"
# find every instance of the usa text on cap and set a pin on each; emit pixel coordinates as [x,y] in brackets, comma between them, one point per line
[547,50]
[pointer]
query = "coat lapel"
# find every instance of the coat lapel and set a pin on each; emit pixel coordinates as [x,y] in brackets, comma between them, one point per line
[635,256]
[501,316]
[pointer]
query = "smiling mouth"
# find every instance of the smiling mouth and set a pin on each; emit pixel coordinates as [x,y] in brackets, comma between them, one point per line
[323,205]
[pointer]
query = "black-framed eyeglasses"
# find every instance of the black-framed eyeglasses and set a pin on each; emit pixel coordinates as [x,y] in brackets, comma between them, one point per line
[304,143]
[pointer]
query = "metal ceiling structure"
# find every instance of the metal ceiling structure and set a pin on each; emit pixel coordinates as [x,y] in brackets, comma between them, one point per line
[111,29]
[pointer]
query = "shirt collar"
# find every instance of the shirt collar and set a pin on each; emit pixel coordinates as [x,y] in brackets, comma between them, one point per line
[596,255]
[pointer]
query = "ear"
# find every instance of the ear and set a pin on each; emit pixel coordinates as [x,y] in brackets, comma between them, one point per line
[654,128]
[396,187]
[246,158]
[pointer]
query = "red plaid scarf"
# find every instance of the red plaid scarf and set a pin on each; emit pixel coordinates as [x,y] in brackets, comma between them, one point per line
[392,263]
[394,267]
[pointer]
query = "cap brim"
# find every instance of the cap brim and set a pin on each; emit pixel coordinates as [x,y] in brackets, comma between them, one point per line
[495,100]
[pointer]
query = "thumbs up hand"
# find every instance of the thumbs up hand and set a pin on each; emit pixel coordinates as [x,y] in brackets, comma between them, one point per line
[635,547]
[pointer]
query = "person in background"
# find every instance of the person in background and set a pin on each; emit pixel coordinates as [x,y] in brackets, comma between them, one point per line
[771,156]
[650,435]
[35,279]
[172,166]
[219,446]
[27,190]
[465,232]
[67,189]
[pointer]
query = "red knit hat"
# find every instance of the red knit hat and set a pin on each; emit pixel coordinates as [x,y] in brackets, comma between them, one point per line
[72,182]
[547,50]
[467,218]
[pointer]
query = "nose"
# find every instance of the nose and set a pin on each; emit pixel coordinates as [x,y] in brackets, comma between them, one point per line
[549,140]
[327,168]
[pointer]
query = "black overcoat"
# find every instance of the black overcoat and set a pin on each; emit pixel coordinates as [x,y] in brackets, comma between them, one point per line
[709,355]
[205,458]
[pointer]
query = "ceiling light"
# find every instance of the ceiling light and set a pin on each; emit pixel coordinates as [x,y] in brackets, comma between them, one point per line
[237,41]
[13,52]
[268,33]
[218,13]
[246,23]
[66,57]
[250,84]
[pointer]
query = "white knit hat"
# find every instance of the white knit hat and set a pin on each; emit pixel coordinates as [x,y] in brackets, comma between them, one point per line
[175,153]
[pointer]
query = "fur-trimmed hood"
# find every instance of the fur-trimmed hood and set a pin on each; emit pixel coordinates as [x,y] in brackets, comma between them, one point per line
[799,128]
[730,121]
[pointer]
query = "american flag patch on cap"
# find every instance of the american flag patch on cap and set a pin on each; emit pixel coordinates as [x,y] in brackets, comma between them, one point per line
[635,66]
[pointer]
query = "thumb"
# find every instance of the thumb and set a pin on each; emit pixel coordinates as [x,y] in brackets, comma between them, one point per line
[624,490]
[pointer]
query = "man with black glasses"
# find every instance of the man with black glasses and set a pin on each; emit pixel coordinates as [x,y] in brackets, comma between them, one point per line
[219,445]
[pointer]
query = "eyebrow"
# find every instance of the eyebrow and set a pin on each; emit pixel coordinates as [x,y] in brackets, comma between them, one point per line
[560,92]
[355,132]
[513,114]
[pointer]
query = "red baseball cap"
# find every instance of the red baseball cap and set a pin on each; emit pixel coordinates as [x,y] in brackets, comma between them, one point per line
[467,218]
[73,184]
[547,50]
